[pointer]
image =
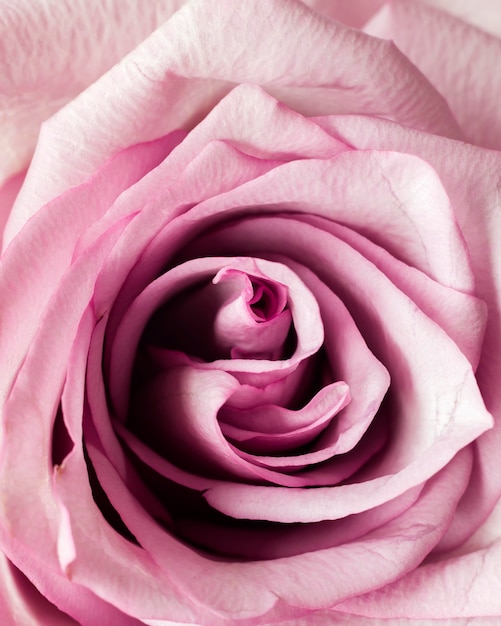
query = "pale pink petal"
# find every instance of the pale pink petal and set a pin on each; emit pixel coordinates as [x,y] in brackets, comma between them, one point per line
[407,211]
[277,422]
[203,580]
[176,415]
[78,545]
[351,361]
[254,321]
[461,315]
[28,486]
[461,587]
[142,252]
[471,177]
[482,14]
[185,61]
[149,592]
[354,13]
[50,51]
[277,586]
[28,286]
[468,74]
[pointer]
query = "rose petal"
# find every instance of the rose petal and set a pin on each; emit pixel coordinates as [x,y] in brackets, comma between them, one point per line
[179,63]
[407,211]
[391,551]
[304,310]
[36,395]
[468,75]
[354,14]
[446,582]
[22,602]
[436,436]
[56,228]
[277,421]
[177,415]
[256,542]
[484,14]
[8,193]
[218,169]
[36,79]
[461,315]
[471,178]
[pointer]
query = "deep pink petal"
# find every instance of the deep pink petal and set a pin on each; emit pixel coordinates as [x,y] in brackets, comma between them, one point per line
[304,310]
[436,436]
[22,603]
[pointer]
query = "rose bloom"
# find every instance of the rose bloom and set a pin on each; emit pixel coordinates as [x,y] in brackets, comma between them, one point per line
[250,330]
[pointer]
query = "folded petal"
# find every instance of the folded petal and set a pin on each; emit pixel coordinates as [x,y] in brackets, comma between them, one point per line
[183,61]
[470,176]
[468,75]
[36,79]
[483,14]
[22,602]
[355,13]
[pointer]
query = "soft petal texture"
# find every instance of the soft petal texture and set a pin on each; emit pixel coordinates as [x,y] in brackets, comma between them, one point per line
[471,177]
[387,263]
[23,546]
[37,79]
[482,14]
[58,227]
[354,13]
[22,603]
[179,63]
[468,74]
[395,547]
[8,193]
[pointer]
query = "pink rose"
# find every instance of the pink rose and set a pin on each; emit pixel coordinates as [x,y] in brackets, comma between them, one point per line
[250,325]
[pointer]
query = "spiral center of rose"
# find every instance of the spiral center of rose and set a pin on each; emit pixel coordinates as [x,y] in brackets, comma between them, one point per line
[228,364]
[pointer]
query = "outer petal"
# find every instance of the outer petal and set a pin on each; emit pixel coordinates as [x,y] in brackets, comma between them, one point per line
[50,50]
[21,603]
[468,74]
[27,286]
[471,178]
[184,61]
[354,13]
[468,587]
[483,14]
[8,193]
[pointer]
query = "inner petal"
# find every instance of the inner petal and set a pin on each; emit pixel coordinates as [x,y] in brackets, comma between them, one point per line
[198,313]
[254,321]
